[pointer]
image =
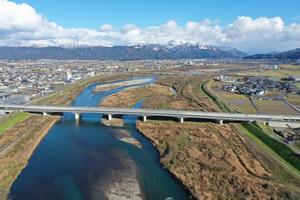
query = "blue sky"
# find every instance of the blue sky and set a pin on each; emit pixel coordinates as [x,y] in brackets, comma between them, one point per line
[93,13]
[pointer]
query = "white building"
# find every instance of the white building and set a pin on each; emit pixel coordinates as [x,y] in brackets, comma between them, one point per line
[69,76]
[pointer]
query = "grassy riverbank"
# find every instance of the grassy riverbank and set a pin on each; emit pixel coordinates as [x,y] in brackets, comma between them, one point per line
[283,154]
[17,144]
[12,120]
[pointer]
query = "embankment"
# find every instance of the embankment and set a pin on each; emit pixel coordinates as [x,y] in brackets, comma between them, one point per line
[28,135]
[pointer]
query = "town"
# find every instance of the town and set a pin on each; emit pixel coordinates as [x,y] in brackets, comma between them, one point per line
[258,86]
[23,81]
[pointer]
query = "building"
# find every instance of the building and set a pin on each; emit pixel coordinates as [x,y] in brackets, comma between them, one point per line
[69,76]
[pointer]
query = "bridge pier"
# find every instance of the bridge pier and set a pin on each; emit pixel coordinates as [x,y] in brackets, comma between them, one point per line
[220,122]
[265,123]
[181,119]
[109,117]
[77,116]
[45,114]
[144,118]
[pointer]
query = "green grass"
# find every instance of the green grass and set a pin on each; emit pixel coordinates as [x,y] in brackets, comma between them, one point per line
[279,148]
[13,119]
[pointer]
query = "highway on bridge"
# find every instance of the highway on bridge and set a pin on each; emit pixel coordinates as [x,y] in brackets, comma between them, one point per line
[180,114]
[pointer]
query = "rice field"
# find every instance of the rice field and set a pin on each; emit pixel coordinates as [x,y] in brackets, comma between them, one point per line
[274,107]
[238,102]
[294,99]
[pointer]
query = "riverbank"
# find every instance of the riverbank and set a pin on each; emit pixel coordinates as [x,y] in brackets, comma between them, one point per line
[24,137]
[213,161]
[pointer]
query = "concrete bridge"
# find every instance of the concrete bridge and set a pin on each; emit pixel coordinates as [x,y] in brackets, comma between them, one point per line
[144,113]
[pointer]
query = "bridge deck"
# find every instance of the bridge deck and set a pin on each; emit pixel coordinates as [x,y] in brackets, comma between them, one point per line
[153,112]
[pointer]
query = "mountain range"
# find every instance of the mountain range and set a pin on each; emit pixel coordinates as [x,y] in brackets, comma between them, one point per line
[140,52]
[137,52]
[285,55]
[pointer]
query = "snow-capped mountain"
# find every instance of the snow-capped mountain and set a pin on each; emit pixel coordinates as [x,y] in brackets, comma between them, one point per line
[170,50]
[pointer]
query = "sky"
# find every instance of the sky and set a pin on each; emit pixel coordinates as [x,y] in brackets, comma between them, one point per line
[252,26]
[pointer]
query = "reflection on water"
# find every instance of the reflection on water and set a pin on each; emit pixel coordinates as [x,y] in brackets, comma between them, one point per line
[87,160]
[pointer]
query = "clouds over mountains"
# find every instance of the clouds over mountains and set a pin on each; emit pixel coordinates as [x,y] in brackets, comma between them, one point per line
[22,25]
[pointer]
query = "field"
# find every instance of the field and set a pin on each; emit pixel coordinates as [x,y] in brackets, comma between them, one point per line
[291,67]
[280,73]
[241,103]
[274,107]
[294,99]
[237,102]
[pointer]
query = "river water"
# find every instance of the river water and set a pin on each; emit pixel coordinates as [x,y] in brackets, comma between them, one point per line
[87,160]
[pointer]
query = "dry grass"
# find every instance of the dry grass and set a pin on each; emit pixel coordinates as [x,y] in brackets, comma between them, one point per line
[128,98]
[215,162]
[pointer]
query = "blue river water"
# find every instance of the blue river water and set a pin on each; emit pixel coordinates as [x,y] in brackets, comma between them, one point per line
[87,160]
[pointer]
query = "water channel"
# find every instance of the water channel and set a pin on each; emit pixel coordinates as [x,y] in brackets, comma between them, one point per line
[87,160]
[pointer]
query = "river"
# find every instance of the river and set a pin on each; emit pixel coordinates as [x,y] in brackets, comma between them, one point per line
[87,160]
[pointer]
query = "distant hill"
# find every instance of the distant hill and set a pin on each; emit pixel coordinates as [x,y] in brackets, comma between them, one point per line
[286,55]
[138,52]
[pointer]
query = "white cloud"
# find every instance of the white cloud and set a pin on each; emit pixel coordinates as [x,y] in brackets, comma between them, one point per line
[106,27]
[22,25]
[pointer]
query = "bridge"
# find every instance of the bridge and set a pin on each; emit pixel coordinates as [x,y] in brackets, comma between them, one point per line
[181,115]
